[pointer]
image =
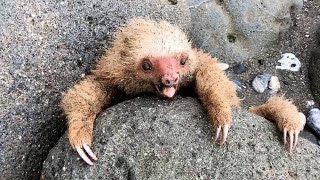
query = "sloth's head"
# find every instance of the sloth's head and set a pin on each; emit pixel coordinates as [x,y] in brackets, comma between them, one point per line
[160,53]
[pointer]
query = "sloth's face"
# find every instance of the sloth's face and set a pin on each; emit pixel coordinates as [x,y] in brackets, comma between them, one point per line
[164,73]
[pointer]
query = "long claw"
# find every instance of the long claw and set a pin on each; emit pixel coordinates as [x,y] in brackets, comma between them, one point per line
[291,140]
[89,151]
[84,156]
[296,135]
[285,136]
[224,135]
[216,136]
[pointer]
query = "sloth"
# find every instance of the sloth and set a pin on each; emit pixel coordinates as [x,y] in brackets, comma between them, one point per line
[148,57]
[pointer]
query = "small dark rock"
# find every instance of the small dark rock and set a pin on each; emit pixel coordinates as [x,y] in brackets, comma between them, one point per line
[131,174]
[173,2]
[231,38]
[286,83]
[261,61]
[120,161]
[239,68]
[194,154]
[167,122]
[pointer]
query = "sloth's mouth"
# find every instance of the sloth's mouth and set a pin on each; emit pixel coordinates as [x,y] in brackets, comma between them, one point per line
[167,91]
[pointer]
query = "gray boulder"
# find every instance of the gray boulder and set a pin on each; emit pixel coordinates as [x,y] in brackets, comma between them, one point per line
[235,30]
[147,138]
[45,47]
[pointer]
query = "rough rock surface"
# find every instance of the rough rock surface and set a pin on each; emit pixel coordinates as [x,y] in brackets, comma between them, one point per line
[45,47]
[147,138]
[236,30]
[314,67]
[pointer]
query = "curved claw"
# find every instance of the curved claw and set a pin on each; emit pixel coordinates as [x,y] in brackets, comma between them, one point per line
[285,136]
[290,140]
[84,156]
[293,138]
[216,136]
[89,151]
[224,135]
[296,135]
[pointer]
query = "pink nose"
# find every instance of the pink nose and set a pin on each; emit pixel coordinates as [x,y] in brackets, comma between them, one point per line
[170,79]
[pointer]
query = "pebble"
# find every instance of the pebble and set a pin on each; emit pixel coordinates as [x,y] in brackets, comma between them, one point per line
[291,76]
[237,84]
[261,61]
[310,104]
[274,84]
[239,68]
[286,83]
[260,82]
[314,120]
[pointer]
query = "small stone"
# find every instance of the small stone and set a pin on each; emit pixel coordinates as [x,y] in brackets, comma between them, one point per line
[260,82]
[173,2]
[290,76]
[237,84]
[239,68]
[314,120]
[286,83]
[261,61]
[310,104]
[274,84]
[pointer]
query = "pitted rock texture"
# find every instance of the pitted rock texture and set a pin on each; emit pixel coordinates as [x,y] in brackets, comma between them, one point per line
[45,48]
[235,30]
[148,138]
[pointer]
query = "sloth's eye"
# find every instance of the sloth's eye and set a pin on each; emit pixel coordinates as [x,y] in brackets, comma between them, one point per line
[183,60]
[146,65]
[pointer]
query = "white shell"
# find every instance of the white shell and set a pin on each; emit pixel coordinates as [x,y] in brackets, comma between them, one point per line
[289,62]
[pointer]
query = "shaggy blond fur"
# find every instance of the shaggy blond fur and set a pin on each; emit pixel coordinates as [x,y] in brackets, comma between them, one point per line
[119,73]
[282,111]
